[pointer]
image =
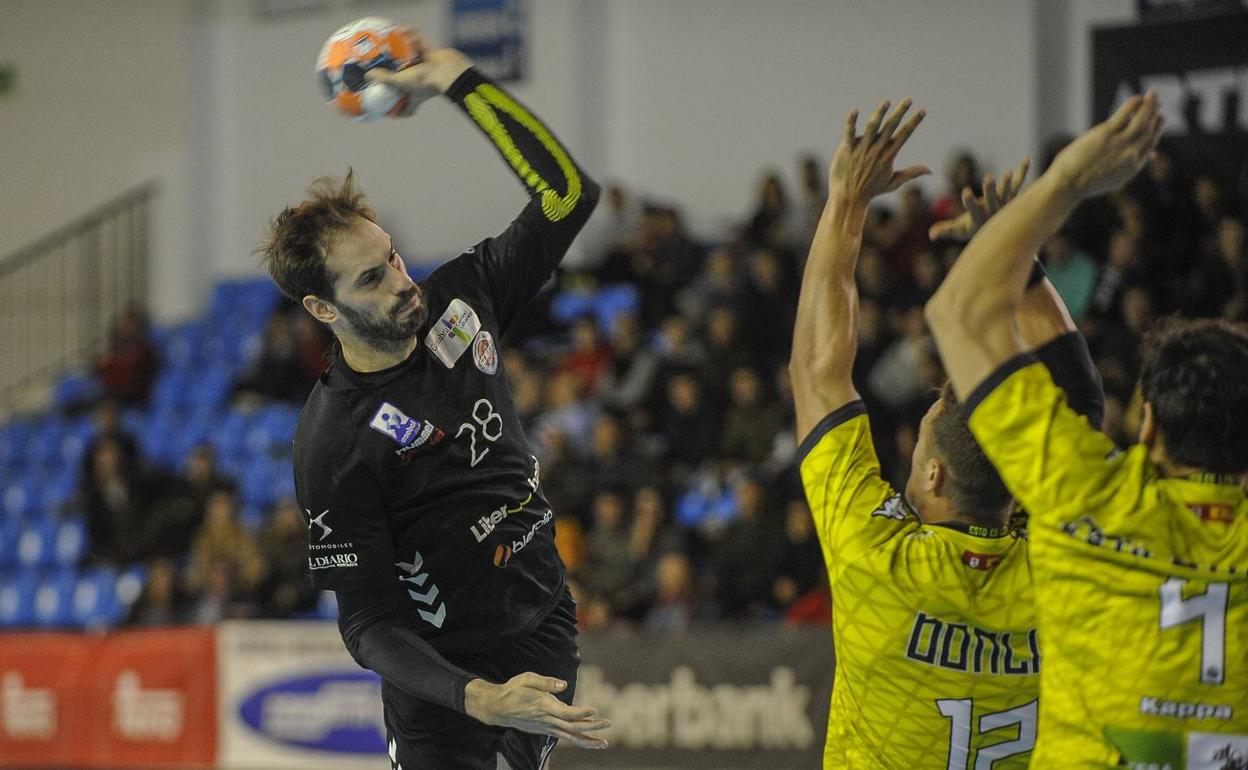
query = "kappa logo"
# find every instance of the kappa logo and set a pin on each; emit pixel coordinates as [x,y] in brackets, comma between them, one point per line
[391,421]
[893,508]
[319,521]
[484,353]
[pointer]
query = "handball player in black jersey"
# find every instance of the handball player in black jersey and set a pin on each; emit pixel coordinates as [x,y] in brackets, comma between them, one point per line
[425,509]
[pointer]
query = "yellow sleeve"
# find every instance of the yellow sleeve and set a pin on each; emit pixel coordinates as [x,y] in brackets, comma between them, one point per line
[854,508]
[1049,457]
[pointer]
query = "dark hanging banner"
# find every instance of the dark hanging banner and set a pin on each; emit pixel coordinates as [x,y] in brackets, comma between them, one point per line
[708,699]
[493,34]
[1172,10]
[1199,69]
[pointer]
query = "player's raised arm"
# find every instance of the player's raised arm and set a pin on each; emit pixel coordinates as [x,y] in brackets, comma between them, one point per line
[972,314]
[1043,321]
[562,195]
[825,336]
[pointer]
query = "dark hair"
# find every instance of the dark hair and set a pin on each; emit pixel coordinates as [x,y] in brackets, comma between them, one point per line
[1195,376]
[978,492]
[300,237]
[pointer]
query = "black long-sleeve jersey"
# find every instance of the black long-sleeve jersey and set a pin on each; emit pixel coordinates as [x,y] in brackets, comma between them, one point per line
[419,484]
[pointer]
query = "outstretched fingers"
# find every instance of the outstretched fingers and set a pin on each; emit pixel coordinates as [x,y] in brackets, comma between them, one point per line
[851,128]
[873,123]
[894,119]
[904,134]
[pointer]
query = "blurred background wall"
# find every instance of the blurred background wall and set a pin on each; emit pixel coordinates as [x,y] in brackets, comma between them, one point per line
[684,100]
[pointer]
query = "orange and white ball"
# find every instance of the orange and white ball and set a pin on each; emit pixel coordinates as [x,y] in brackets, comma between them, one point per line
[357,48]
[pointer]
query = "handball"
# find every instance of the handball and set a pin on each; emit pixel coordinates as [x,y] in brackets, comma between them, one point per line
[357,48]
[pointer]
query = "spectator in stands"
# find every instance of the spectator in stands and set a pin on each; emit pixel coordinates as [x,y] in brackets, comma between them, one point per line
[905,235]
[280,371]
[801,561]
[1072,273]
[719,283]
[814,194]
[611,462]
[610,230]
[963,172]
[608,566]
[285,589]
[628,381]
[678,347]
[225,562]
[568,411]
[675,599]
[115,493]
[746,558]
[752,421]
[690,427]
[128,367]
[724,352]
[769,308]
[588,358]
[770,224]
[162,602]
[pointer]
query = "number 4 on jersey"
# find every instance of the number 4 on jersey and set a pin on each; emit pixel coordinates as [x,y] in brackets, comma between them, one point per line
[1210,607]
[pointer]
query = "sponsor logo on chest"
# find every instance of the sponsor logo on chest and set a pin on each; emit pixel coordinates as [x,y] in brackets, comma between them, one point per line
[411,434]
[453,333]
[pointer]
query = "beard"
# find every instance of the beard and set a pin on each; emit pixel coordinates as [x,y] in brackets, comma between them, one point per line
[390,331]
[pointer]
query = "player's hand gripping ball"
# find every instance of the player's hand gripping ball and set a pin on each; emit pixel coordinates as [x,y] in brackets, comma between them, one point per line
[357,48]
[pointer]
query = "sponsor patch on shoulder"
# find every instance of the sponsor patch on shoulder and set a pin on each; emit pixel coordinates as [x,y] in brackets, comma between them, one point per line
[453,332]
[485,353]
[981,561]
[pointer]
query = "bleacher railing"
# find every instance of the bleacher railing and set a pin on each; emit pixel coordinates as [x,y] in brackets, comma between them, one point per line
[60,295]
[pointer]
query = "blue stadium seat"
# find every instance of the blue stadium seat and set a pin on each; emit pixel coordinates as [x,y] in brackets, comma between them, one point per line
[10,532]
[258,485]
[129,587]
[22,497]
[36,546]
[613,300]
[95,599]
[71,542]
[567,306]
[53,605]
[74,388]
[181,346]
[77,437]
[59,489]
[17,599]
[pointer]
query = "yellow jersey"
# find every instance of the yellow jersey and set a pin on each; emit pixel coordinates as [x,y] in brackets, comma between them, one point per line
[934,628]
[1141,587]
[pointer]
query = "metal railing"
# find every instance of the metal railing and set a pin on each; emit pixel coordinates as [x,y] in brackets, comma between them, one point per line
[60,295]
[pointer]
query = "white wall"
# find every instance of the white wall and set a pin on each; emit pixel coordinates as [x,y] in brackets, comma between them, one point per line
[100,107]
[437,183]
[683,99]
[704,93]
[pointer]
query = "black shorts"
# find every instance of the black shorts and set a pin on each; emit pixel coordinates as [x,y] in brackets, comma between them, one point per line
[421,736]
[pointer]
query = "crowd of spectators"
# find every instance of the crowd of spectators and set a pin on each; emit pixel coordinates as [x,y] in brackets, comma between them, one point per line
[666,438]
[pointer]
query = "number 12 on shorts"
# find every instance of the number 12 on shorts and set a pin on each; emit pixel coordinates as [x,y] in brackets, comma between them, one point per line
[959,713]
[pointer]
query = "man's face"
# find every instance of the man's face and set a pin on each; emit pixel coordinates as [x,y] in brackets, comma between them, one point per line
[377,299]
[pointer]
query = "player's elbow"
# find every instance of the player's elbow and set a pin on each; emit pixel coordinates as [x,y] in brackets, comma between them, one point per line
[590,193]
[962,310]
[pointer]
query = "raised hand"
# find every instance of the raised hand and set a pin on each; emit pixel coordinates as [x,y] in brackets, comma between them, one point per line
[1110,153]
[862,166]
[526,703]
[434,72]
[978,210]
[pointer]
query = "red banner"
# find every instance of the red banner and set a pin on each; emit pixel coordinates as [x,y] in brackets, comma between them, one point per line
[118,700]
